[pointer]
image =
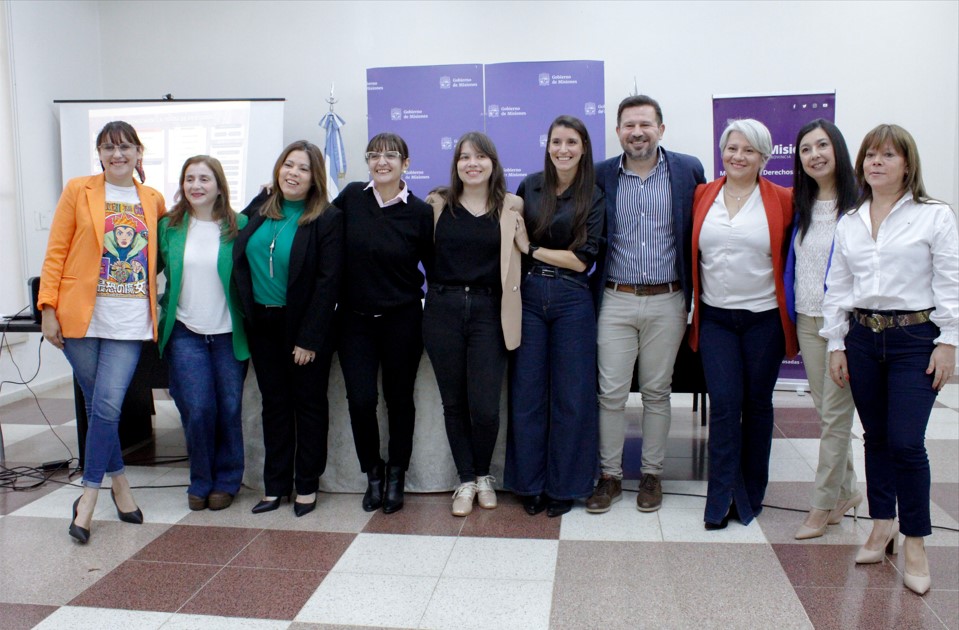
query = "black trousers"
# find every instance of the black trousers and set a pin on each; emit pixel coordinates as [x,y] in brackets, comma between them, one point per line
[296,417]
[463,335]
[393,341]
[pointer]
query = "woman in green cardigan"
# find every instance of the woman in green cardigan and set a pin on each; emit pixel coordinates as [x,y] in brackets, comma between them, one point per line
[201,329]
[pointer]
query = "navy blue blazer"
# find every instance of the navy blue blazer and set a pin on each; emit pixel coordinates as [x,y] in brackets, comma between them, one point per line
[685,173]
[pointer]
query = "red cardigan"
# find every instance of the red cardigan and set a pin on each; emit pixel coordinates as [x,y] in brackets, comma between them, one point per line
[778,203]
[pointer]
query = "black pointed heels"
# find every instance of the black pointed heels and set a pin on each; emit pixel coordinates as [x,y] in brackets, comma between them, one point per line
[80,534]
[135,517]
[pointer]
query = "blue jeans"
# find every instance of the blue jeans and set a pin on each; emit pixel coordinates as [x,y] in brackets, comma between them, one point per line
[894,397]
[206,383]
[463,335]
[741,353]
[553,439]
[104,369]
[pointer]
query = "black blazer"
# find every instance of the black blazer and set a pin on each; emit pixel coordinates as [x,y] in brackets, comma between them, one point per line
[685,173]
[316,267]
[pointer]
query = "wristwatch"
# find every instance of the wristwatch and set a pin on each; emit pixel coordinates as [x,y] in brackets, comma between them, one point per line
[532,249]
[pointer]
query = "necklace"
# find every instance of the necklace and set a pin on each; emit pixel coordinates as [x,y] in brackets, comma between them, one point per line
[473,212]
[273,242]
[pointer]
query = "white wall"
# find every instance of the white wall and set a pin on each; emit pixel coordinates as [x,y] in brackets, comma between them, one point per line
[889,62]
[54,52]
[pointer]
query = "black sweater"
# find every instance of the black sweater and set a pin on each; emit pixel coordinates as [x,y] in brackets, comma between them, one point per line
[383,247]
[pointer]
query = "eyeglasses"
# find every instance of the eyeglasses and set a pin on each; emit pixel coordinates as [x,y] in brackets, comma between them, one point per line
[374,156]
[124,148]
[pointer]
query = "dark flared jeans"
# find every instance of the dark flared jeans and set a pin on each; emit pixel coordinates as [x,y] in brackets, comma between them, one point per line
[463,335]
[894,397]
[553,438]
[206,383]
[392,341]
[741,353]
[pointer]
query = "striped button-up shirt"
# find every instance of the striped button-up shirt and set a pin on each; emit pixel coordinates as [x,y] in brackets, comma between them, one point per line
[643,248]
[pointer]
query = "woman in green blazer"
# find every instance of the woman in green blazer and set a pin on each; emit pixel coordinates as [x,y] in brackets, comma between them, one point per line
[201,328]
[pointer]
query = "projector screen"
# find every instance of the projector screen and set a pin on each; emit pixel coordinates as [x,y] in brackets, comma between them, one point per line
[245,135]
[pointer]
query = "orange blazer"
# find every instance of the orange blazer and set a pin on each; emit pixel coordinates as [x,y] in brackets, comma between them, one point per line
[778,203]
[71,269]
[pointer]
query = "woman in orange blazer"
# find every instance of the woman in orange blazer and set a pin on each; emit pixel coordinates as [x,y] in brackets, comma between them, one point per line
[98,298]
[741,224]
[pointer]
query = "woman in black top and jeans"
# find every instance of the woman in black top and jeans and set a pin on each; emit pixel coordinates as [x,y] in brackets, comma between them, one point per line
[472,309]
[388,232]
[553,433]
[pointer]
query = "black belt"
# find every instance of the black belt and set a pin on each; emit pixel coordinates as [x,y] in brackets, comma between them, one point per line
[878,321]
[462,288]
[549,271]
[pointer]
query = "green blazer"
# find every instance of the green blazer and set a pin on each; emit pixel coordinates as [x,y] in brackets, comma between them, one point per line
[172,243]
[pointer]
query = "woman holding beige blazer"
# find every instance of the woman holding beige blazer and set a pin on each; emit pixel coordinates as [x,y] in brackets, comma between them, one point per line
[473,310]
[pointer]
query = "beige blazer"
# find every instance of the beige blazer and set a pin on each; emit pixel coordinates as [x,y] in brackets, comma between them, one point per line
[512,230]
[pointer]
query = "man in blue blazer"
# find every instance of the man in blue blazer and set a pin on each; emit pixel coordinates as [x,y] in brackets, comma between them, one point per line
[642,289]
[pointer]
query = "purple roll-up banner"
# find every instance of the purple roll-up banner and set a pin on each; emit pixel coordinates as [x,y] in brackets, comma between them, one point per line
[429,107]
[523,98]
[784,115]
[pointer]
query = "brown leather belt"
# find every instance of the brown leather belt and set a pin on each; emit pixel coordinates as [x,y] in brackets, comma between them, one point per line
[878,322]
[644,289]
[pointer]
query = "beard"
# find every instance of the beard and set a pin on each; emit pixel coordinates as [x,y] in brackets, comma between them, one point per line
[642,154]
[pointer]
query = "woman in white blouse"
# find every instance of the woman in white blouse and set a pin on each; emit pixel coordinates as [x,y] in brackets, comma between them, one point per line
[740,239]
[892,322]
[824,189]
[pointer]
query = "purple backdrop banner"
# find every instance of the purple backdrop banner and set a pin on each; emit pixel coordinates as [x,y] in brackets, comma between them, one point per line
[523,98]
[784,115]
[430,107]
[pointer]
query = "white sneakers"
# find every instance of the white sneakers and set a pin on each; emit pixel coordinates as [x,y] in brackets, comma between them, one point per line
[463,497]
[485,494]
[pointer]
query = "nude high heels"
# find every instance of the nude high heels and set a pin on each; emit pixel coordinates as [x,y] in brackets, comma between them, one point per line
[837,513]
[918,584]
[891,545]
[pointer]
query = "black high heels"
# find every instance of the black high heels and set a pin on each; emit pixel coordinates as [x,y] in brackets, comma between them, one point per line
[267,505]
[395,482]
[302,509]
[80,534]
[135,517]
[732,512]
[535,504]
[373,498]
[558,507]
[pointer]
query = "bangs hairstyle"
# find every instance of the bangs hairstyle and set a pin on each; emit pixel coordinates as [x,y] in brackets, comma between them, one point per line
[581,187]
[805,188]
[904,144]
[222,210]
[119,132]
[388,142]
[316,197]
[496,187]
[756,134]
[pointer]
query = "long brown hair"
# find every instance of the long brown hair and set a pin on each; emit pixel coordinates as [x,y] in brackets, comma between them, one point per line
[317,200]
[581,188]
[222,211]
[496,187]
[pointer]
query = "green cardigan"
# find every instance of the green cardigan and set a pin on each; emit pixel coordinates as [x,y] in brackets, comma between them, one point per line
[172,243]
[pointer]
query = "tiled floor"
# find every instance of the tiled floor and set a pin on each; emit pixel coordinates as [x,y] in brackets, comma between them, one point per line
[340,567]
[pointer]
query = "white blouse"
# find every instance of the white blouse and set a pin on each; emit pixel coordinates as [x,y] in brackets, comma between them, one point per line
[912,265]
[735,258]
[812,255]
[202,306]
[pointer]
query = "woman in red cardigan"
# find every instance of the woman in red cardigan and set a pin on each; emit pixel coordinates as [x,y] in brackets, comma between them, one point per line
[741,225]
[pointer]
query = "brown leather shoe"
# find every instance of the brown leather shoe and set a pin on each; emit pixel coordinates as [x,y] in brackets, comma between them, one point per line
[196,503]
[608,491]
[219,500]
[650,497]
